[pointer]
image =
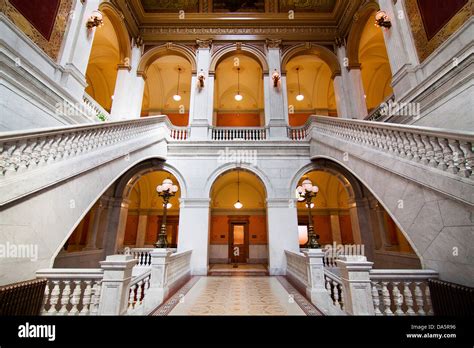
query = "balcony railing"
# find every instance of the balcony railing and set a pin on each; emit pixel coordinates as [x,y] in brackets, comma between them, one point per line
[94,109]
[239,134]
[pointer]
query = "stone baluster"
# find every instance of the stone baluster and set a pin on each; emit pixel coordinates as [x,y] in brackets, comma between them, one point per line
[140,286]
[406,146]
[408,298]
[387,302]
[419,299]
[76,297]
[131,297]
[95,299]
[45,298]
[428,300]
[53,301]
[458,158]
[413,147]
[448,162]
[86,298]
[466,147]
[376,299]
[65,297]
[397,298]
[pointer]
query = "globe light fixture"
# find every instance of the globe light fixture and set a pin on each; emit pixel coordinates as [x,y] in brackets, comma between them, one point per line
[177,97]
[238,97]
[299,97]
[238,204]
[307,191]
[166,190]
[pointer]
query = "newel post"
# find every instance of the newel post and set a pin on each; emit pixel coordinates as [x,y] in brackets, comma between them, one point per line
[116,284]
[355,276]
[159,279]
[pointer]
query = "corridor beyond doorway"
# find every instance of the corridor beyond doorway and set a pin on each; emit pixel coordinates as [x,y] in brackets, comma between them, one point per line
[237,296]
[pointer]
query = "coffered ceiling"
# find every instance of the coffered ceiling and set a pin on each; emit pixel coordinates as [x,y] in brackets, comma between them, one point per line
[175,20]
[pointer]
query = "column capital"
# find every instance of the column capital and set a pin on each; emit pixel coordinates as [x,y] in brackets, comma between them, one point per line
[273,43]
[204,44]
[281,202]
[194,202]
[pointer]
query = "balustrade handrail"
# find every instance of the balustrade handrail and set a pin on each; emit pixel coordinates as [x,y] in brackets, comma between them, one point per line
[408,274]
[88,100]
[333,276]
[430,131]
[70,273]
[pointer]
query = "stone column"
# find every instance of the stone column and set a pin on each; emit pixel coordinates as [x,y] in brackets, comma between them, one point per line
[116,227]
[129,88]
[351,86]
[276,104]
[93,232]
[362,227]
[357,290]
[141,230]
[202,99]
[335,227]
[77,44]
[282,221]
[194,215]
[400,46]
[116,284]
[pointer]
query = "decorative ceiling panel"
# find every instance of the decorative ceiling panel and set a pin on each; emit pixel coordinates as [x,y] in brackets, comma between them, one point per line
[307,5]
[167,6]
[238,6]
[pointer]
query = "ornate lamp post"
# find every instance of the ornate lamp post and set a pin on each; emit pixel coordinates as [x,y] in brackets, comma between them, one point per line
[166,190]
[306,193]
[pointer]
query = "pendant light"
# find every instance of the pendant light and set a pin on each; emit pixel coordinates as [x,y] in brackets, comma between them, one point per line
[237,204]
[299,97]
[238,96]
[177,97]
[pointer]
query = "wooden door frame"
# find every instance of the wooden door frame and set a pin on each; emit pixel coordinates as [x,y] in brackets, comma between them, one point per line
[238,220]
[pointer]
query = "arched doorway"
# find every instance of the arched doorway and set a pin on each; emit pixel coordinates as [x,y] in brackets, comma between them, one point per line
[238,92]
[238,235]
[345,212]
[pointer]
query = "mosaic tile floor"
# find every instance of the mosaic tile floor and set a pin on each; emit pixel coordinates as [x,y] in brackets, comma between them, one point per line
[237,296]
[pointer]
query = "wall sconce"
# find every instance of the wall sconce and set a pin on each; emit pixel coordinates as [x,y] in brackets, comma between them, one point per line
[382,20]
[276,78]
[201,77]
[95,20]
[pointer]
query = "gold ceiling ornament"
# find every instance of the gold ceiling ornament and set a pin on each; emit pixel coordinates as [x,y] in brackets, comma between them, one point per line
[204,43]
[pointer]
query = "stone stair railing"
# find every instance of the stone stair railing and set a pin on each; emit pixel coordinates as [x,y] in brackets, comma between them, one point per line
[401,291]
[447,151]
[94,109]
[142,255]
[138,290]
[335,288]
[71,291]
[300,133]
[119,287]
[238,134]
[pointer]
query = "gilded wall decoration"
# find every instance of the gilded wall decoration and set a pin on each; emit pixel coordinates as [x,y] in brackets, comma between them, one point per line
[167,6]
[307,5]
[426,45]
[47,35]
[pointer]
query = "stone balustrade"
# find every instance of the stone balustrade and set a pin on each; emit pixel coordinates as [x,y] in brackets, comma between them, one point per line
[401,292]
[335,288]
[25,151]
[450,152]
[300,133]
[179,133]
[138,290]
[71,291]
[236,134]
[94,109]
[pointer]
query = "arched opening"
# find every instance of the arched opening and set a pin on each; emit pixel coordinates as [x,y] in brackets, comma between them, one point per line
[346,213]
[110,48]
[238,236]
[375,66]
[167,77]
[238,75]
[310,89]
[128,215]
